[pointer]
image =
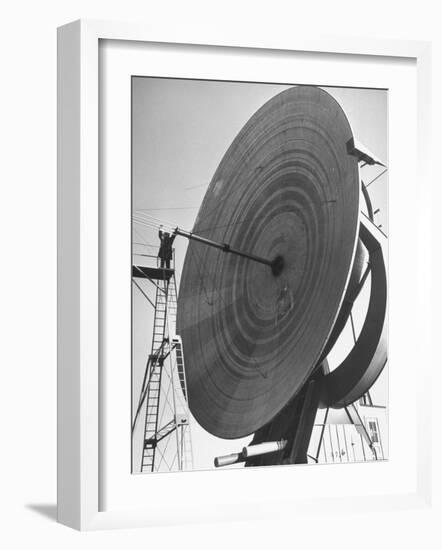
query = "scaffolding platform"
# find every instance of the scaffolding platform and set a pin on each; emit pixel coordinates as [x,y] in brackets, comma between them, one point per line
[156,273]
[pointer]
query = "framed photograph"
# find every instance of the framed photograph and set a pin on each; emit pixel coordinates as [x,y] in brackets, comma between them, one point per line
[192,121]
[233,223]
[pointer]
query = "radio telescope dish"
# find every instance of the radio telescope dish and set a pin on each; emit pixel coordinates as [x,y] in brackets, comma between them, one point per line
[288,190]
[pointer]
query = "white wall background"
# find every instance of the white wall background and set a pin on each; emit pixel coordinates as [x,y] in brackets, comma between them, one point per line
[28,276]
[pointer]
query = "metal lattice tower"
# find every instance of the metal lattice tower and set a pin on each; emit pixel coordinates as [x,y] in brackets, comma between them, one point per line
[162,402]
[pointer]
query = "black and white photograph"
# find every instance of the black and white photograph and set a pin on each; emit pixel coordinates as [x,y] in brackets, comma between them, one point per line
[259,274]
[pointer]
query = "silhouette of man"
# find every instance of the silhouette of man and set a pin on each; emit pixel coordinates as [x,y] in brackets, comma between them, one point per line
[165,252]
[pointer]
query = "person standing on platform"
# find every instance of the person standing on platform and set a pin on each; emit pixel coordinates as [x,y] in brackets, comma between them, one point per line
[165,253]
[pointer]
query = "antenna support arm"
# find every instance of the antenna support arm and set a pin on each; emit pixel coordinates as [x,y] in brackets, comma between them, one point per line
[223,246]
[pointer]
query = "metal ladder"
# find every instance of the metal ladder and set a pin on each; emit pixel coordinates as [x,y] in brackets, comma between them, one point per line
[155,371]
[185,454]
[166,391]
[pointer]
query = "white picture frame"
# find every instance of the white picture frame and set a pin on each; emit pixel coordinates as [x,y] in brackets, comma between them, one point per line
[79,475]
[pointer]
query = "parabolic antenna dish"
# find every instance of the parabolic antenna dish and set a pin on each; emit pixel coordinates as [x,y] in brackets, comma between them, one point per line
[286,187]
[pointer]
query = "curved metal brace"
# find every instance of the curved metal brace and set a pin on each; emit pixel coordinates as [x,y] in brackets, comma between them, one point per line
[360,369]
[367,202]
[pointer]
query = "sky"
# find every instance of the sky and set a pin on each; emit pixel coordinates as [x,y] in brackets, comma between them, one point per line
[180,132]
